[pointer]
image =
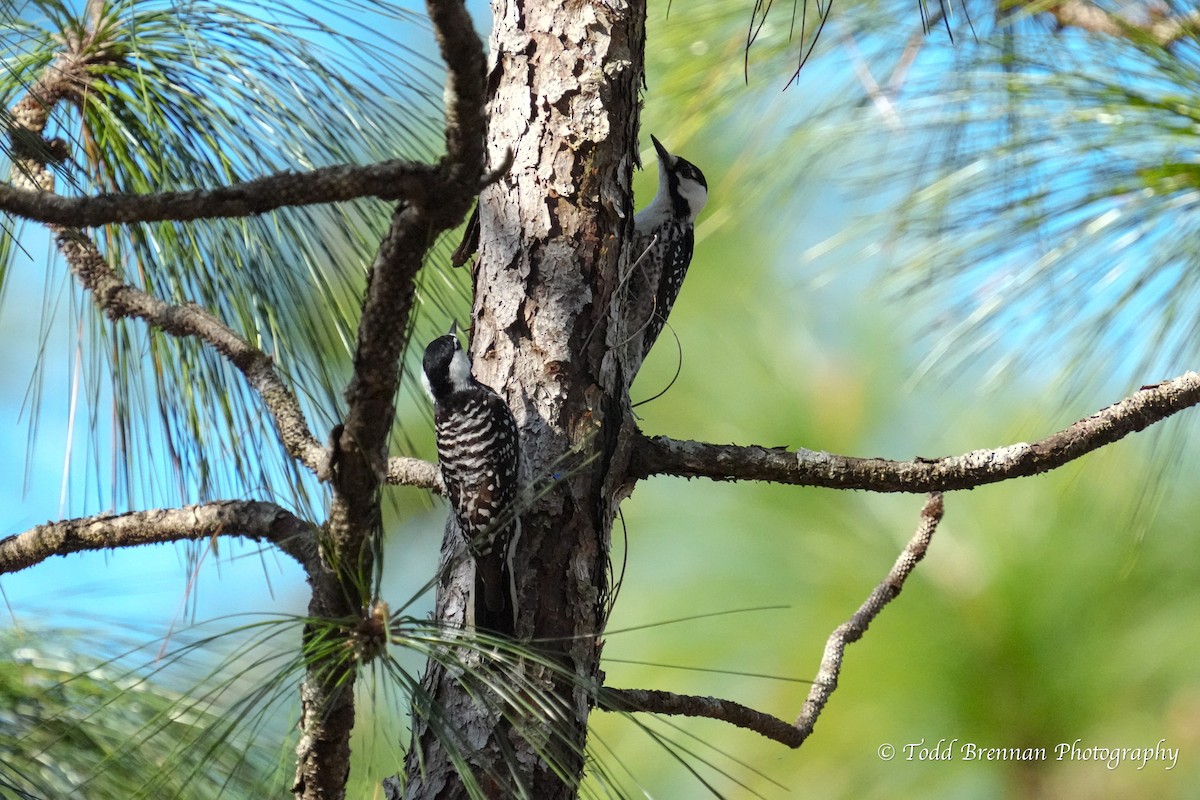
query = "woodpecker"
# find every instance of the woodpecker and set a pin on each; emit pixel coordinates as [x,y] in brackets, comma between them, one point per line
[478,451]
[665,236]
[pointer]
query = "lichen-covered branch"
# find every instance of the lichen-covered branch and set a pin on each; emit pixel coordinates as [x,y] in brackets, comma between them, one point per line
[466,103]
[257,521]
[853,629]
[389,180]
[360,451]
[371,393]
[660,455]
[793,735]
[408,471]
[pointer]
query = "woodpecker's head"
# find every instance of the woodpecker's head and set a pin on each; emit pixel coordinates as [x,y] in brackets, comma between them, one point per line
[681,182]
[447,368]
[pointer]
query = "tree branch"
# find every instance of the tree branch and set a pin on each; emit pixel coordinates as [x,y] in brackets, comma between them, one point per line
[327,703]
[853,629]
[466,102]
[359,466]
[258,521]
[118,299]
[371,393]
[793,736]
[1163,30]
[656,702]
[407,471]
[660,455]
[388,180]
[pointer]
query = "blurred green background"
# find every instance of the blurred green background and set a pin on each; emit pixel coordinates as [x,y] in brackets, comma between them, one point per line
[824,310]
[828,307]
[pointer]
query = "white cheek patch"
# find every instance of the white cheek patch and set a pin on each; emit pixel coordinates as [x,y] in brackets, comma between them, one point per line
[460,371]
[695,195]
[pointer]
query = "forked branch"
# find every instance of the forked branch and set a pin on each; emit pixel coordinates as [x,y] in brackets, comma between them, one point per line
[793,735]
[853,629]
[660,455]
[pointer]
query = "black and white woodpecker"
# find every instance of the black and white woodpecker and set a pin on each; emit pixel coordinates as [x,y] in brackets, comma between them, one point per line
[665,235]
[479,455]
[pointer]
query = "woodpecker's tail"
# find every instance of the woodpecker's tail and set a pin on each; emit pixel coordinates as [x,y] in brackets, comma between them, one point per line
[495,610]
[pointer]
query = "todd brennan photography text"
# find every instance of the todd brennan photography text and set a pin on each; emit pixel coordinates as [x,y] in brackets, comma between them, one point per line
[1078,750]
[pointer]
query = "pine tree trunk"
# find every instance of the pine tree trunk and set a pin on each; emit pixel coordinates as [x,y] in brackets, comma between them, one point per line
[563,89]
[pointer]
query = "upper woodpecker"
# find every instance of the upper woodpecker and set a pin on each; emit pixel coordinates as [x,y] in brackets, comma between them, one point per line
[665,236]
[478,452]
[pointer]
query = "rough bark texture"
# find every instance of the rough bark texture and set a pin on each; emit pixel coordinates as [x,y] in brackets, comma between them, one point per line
[563,91]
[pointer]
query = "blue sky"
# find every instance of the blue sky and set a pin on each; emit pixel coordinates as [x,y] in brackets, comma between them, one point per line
[150,585]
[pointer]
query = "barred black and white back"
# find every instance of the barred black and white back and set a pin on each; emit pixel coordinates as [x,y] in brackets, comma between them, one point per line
[479,455]
[666,237]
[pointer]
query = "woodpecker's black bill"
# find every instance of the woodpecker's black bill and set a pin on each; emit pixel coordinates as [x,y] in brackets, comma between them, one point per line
[663,155]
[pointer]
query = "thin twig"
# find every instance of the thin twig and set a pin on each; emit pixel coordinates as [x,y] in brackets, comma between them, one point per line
[853,629]
[656,702]
[661,455]
[793,735]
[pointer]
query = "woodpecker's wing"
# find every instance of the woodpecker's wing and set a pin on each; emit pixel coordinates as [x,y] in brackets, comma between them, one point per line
[478,451]
[676,255]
